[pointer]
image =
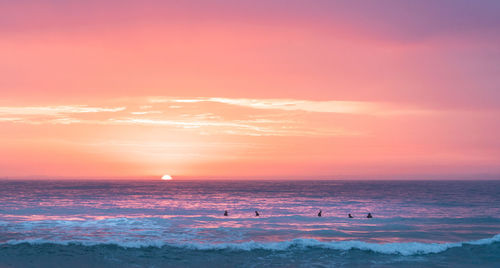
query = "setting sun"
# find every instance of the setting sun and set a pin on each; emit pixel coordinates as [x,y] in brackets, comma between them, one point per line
[166,177]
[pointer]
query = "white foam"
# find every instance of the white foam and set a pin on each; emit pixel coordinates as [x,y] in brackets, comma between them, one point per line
[410,248]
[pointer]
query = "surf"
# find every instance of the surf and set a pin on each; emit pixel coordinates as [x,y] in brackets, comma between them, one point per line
[404,249]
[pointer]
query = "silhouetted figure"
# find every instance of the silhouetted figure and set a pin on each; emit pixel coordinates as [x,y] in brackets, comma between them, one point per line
[369,216]
[257,214]
[225,212]
[319,213]
[350,216]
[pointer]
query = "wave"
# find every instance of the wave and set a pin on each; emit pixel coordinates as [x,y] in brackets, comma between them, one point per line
[405,249]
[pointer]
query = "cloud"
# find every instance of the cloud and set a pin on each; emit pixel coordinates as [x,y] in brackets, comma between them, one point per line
[55,110]
[62,114]
[332,106]
[10,119]
[146,112]
[349,107]
[224,116]
[241,127]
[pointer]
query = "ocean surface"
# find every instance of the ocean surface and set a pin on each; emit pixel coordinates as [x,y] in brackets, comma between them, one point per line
[181,224]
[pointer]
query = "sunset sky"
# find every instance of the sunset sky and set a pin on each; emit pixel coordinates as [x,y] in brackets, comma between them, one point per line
[309,89]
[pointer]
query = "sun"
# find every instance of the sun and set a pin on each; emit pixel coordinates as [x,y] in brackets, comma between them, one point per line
[166,177]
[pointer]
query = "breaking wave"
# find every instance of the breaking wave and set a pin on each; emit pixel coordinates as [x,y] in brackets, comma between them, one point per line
[405,249]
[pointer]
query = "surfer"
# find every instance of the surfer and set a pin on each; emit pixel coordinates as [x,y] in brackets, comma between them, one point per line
[225,212]
[350,216]
[257,214]
[319,213]
[369,216]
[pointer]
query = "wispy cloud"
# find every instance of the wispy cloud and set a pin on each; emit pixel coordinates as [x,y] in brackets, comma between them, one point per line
[146,112]
[10,119]
[62,114]
[240,127]
[55,110]
[349,107]
[332,106]
[223,116]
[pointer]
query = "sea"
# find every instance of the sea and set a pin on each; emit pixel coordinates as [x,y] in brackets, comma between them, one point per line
[146,223]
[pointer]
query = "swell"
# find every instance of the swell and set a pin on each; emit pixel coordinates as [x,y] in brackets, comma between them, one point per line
[405,249]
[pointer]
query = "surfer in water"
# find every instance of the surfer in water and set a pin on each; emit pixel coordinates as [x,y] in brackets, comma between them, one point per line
[319,213]
[257,214]
[350,216]
[225,212]
[369,216]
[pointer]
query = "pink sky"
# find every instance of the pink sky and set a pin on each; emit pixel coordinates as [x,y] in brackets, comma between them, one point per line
[341,89]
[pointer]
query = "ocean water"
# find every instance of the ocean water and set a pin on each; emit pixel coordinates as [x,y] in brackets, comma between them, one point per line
[181,224]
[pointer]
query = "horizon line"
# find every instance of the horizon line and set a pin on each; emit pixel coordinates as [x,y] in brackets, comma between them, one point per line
[401,177]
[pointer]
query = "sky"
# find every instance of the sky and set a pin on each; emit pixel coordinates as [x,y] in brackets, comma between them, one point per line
[288,89]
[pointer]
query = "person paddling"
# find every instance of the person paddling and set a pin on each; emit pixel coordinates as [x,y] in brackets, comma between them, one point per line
[225,212]
[257,214]
[350,216]
[319,213]
[369,216]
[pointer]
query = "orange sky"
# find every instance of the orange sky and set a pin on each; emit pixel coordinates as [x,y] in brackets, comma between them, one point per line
[341,89]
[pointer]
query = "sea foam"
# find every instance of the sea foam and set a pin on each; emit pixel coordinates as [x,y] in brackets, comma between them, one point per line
[405,249]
